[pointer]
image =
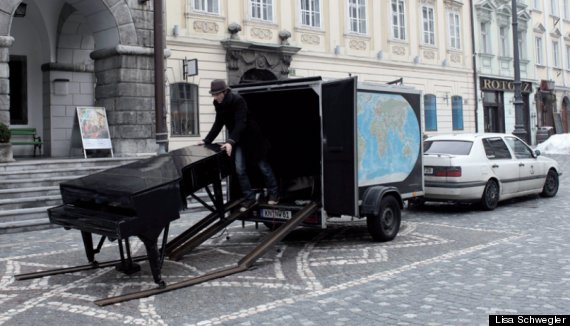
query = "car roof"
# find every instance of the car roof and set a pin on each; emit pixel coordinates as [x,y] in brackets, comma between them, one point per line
[465,136]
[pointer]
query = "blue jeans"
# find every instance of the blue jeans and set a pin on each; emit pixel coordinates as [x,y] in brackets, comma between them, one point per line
[266,171]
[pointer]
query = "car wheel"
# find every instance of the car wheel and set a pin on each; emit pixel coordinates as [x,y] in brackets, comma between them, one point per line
[490,198]
[550,185]
[385,225]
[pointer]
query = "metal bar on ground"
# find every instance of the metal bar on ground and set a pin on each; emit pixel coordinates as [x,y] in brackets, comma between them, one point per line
[29,276]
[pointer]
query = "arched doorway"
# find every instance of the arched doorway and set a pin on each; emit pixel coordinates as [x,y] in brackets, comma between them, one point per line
[70,53]
[256,75]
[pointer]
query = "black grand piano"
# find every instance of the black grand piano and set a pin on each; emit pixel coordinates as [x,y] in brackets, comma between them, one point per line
[139,199]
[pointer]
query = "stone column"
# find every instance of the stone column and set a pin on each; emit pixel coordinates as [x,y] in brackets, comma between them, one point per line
[5,43]
[125,87]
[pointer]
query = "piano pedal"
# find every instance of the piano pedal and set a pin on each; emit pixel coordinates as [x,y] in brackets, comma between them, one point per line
[128,269]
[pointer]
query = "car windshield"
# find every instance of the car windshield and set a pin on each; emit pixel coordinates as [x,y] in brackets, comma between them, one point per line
[452,147]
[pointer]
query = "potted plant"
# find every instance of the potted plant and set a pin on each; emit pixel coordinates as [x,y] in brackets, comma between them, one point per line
[5,146]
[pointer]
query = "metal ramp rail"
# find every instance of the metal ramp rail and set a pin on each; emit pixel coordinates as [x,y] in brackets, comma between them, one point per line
[244,264]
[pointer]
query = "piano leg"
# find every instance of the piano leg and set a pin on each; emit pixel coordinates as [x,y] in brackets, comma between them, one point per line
[88,244]
[154,259]
[127,265]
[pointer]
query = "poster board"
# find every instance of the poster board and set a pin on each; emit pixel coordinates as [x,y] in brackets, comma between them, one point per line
[94,129]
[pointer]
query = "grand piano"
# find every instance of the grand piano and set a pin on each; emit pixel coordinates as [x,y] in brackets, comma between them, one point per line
[139,199]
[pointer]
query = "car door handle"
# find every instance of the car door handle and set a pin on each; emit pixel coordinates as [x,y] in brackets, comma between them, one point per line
[521,164]
[495,166]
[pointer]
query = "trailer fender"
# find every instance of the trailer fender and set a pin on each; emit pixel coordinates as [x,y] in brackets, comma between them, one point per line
[373,196]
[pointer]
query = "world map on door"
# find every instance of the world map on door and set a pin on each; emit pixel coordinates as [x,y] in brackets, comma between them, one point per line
[389,137]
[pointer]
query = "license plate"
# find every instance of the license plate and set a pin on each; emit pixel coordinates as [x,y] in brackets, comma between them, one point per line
[428,170]
[275,213]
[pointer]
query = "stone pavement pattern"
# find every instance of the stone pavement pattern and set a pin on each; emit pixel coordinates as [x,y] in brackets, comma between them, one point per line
[449,265]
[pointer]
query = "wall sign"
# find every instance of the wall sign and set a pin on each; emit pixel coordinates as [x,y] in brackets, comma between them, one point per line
[493,84]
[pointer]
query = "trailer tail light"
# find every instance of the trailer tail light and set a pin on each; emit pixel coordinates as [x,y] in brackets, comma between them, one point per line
[443,171]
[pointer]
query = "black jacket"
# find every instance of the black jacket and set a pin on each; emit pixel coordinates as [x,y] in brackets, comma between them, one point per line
[243,130]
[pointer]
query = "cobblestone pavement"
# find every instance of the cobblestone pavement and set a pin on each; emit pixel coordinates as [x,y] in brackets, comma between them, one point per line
[449,265]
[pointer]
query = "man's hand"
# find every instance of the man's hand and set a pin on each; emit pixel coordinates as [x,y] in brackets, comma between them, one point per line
[228,148]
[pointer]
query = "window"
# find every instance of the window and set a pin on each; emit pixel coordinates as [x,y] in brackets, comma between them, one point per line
[452,147]
[556,54]
[430,112]
[398,20]
[485,38]
[184,109]
[504,41]
[521,149]
[522,45]
[18,69]
[357,16]
[261,9]
[536,4]
[457,112]
[428,25]
[567,56]
[311,13]
[538,49]
[566,9]
[210,6]
[495,149]
[454,31]
[554,7]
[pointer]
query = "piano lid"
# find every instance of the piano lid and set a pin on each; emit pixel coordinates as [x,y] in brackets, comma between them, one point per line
[144,174]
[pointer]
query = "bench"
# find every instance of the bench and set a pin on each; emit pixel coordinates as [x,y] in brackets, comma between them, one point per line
[19,134]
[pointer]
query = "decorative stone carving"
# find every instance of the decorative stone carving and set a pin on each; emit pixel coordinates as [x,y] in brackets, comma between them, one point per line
[243,57]
[284,35]
[429,55]
[399,50]
[205,27]
[234,29]
[261,33]
[455,58]
[357,45]
[310,39]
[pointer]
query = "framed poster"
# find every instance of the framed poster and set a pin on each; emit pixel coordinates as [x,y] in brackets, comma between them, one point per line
[94,128]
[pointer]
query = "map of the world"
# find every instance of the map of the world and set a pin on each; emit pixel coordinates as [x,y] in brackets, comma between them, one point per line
[388,138]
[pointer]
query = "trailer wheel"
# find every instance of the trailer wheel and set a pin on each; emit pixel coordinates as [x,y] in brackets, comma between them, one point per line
[385,225]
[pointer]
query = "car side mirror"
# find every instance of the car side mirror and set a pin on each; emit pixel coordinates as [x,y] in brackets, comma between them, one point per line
[536,153]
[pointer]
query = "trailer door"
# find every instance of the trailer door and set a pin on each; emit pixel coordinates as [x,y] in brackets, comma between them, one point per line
[340,188]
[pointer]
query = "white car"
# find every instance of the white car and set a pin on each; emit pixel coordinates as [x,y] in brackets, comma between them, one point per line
[485,168]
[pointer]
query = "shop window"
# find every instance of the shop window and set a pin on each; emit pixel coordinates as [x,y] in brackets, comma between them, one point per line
[457,112]
[184,109]
[430,112]
[18,67]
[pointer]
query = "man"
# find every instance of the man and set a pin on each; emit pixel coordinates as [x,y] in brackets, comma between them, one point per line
[245,141]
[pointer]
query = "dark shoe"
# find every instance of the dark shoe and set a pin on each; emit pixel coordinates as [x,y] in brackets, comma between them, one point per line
[273,200]
[246,204]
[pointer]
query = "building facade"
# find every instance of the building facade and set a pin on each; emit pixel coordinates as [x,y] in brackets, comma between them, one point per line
[551,40]
[426,43]
[494,47]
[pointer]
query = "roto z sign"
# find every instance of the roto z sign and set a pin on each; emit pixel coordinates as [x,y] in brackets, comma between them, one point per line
[490,84]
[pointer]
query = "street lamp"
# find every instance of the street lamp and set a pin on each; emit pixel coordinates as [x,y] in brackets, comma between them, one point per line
[518,102]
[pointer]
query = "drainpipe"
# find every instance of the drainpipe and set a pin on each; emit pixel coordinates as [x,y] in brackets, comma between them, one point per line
[474,66]
[159,109]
